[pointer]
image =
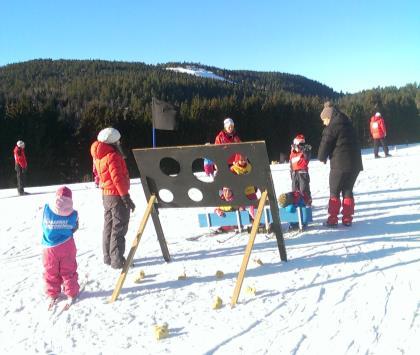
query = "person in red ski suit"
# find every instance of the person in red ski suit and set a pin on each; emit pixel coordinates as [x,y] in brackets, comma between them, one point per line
[378,132]
[300,155]
[59,222]
[21,166]
[228,135]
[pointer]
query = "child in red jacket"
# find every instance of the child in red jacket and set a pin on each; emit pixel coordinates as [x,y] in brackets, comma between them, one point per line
[300,155]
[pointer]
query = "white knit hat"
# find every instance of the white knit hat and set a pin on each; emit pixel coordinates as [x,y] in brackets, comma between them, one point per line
[109,135]
[20,144]
[377,114]
[228,122]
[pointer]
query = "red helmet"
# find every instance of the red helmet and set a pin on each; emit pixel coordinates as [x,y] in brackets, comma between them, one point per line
[300,139]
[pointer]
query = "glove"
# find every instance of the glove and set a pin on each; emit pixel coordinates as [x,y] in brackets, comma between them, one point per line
[128,202]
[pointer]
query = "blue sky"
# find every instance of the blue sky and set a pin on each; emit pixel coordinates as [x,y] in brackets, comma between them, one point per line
[347,45]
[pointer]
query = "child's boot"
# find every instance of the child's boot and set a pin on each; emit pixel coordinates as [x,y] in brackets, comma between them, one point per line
[348,211]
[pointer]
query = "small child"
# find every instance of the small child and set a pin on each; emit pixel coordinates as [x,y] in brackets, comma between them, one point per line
[225,194]
[291,200]
[209,168]
[300,155]
[59,222]
[240,166]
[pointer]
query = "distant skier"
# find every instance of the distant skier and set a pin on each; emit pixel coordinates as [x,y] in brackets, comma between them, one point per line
[300,155]
[59,222]
[115,184]
[21,166]
[378,132]
[339,144]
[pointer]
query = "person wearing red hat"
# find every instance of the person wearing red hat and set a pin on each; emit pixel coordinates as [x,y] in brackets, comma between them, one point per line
[21,166]
[300,155]
[378,132]
[59,222]
[240,166]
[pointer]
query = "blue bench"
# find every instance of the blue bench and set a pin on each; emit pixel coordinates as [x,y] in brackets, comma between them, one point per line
[242,218]
[291,217]
[239,218]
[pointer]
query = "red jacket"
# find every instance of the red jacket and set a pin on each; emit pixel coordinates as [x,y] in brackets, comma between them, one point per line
[377,127]
[20,158]
[298,161]
[111,168]
[224,138]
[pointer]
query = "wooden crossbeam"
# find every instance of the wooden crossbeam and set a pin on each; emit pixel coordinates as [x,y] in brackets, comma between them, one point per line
[133,249]
[248,249]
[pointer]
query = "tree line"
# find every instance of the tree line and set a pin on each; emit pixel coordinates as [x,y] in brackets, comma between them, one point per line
[58,107]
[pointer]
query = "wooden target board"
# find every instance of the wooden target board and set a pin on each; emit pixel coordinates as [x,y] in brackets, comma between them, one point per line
[175,176]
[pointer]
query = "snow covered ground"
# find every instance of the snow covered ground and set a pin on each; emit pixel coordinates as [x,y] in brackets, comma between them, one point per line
[343,291]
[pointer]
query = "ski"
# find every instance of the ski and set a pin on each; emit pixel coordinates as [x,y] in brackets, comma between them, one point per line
[69,301]
[52,304]
[235,234]
[209,234]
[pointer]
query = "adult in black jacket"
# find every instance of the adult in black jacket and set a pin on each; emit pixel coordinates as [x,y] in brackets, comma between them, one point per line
[339,143]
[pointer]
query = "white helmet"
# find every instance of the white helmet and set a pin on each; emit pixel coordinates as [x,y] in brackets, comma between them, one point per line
[109,135]
[377,114]
[20,144]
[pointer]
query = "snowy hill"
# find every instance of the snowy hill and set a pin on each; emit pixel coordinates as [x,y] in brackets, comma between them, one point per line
[343,291]
[197,72]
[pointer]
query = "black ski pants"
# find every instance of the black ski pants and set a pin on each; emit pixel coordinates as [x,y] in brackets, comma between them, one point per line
[301,183]
[376,143]
[342,182]
[20,177]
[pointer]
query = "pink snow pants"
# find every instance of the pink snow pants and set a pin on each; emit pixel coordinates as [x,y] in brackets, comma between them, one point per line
[60,267]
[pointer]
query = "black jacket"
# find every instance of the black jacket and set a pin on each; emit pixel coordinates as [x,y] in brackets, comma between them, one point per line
[339,143]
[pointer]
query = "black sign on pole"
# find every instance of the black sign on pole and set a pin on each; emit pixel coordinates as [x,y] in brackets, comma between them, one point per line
[163,115]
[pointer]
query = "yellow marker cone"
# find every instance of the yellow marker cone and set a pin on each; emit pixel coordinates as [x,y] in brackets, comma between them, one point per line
[161,331]
[182,277]
[251,290]
[140,277]
[219,274]
[258,261]
[217,303]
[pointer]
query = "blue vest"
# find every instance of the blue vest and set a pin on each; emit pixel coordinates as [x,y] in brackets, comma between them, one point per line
[57,229]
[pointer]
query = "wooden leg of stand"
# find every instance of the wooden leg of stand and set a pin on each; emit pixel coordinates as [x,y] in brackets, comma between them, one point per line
[248,249]
[133,249]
